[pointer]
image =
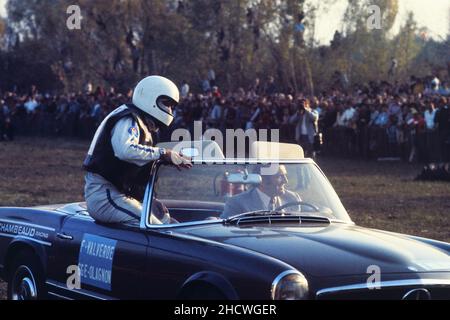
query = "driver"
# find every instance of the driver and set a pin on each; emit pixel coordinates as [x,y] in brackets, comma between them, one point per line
[269,195]
[119,159]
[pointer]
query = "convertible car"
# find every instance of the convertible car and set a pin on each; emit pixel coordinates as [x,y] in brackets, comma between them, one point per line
[269,228]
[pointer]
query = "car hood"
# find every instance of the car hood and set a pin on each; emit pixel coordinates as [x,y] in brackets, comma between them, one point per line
[335,249]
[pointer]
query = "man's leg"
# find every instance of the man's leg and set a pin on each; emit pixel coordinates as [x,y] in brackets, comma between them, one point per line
[106,204]
[117,208]
[109,206]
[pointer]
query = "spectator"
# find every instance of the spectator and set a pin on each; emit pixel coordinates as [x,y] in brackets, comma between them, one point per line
[372,120]
[435,84]
[306,120]
[382,117]
[206,86]
[216,113]
[430,126]
[2,119]
[212,77]
[31,104]
[391,131]
[430,115]
[270,86]
[443,123]
[184,89]
[255,88]
[444,90]
[395,106]
[348,116]
[216,92]
[88,88]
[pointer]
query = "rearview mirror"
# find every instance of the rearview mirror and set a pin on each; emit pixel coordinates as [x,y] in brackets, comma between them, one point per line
[243,178]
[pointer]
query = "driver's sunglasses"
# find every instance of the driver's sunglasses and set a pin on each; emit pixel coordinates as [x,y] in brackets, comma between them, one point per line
[281,177]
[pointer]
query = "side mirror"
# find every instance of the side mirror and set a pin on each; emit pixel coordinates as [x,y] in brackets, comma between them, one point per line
[243,178]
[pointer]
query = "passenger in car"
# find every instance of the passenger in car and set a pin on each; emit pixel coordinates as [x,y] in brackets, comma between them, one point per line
[269,195]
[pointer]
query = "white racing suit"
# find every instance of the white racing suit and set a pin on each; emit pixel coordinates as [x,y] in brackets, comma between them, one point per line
[105,203]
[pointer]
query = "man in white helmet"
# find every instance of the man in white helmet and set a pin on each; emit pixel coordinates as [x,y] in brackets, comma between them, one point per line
[119,159]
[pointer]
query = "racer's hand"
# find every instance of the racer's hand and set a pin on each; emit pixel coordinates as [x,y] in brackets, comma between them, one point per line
[177,159]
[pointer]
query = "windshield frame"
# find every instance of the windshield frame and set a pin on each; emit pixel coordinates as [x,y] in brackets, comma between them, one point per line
[146,204]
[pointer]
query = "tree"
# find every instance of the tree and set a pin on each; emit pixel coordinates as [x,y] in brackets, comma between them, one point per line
[121,41]
[407,46]
[2,32]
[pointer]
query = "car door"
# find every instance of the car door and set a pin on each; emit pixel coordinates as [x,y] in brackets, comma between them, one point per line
[110,260]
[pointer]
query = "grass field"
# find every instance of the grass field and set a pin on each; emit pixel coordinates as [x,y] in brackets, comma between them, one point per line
[377,195]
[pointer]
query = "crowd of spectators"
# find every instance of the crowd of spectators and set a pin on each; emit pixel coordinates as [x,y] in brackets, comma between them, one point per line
[408,121]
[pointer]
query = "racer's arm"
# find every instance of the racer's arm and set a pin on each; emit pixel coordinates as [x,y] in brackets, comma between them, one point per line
[125,143]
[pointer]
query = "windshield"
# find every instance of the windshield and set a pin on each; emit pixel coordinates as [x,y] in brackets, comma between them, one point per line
[221,191]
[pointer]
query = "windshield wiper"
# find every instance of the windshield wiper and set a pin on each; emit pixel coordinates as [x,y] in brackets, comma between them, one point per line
[276,214]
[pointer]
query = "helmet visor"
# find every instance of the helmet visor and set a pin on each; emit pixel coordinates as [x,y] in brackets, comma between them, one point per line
[166,104]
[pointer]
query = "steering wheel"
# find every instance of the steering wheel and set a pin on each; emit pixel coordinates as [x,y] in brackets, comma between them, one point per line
[301,203]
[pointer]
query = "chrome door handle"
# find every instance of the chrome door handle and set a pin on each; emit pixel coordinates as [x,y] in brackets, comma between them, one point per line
[64,236]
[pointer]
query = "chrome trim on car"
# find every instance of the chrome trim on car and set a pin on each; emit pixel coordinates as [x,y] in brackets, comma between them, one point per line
[277,280]
[183,224]
[80,292]
[146,204]
[191,209]
[147,194]
[59,296]
[386,284]
[250,161]
[350,221]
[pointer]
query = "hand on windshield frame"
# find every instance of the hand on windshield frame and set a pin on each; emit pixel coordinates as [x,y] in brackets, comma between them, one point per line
[176,159]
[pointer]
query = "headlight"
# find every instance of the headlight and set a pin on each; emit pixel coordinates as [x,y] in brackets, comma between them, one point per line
[290,285]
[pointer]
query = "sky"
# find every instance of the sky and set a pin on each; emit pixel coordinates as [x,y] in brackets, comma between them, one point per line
[433,14]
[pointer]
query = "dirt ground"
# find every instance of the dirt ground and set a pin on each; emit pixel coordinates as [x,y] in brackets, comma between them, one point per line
[379,195]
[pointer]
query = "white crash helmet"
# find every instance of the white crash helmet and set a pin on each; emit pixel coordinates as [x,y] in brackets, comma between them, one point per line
[156,96]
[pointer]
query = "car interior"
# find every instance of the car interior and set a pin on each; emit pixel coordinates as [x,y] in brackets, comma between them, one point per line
[182,211]
[186,211]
